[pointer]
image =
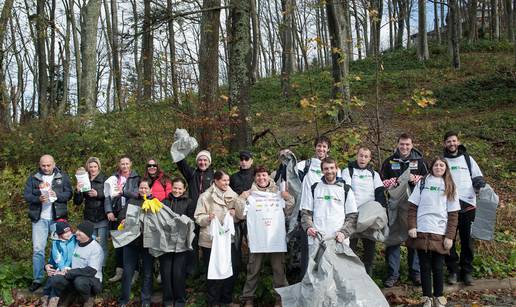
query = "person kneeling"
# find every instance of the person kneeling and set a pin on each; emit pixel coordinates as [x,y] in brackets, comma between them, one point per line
[85,274]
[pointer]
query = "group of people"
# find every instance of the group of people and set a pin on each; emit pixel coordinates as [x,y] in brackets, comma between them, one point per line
[254,204]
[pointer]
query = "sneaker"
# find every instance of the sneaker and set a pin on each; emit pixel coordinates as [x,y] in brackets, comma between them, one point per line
[53,302]
[117,276]
[34,286]
[468,279]
[452,278]
[427,301]
[390,282]
[44,301]
[440,301]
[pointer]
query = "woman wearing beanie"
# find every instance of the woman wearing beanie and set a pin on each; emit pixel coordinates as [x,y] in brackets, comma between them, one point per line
[432,222]
[215,211]
[160,183]
[94,201]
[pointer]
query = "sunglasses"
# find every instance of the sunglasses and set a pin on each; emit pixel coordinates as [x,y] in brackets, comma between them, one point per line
[152,165]
[244,158]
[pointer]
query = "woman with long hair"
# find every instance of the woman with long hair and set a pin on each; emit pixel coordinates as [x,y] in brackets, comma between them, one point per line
[432,223]
[160,183]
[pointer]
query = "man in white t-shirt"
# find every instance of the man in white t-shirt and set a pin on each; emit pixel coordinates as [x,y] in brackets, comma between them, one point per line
[331,210]
[47,192]
[468,179]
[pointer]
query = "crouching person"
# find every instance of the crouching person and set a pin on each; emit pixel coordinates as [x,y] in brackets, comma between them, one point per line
[85,274]
[266,231]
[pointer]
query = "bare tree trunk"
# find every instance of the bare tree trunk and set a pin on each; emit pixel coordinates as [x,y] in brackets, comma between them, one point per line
[256,42]
[495,20]
[63,103]
[402,12]
[437,30]
[239,71]
[337,27]
[509,20]
[147,53]
[422,39]
[89,26]
[472,31]
[41,33]
[16,96]
[173,61]
[443,17]
[453,26]
[375,15]
[357,30]
[112,30]
[52,103]
[208,64]
[5,119]
[391,21]
[287,39]
[325,40]
[409,13]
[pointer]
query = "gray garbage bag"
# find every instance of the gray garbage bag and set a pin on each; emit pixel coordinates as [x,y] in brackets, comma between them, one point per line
[372,222]
[294,186]
[131,229]
[183,145]
[485,217]
[397,210]
[338,279]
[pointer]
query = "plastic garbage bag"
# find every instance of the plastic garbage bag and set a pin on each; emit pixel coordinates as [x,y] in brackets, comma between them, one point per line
[183,145]
[397,210]
[335,277]
[485,218]
[372,222]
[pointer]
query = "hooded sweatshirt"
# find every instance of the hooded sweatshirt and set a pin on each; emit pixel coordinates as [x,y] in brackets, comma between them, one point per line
[395,165]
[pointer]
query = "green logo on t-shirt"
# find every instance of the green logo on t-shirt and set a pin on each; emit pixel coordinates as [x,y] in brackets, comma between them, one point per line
[454,168]
[317,171]
[327,197]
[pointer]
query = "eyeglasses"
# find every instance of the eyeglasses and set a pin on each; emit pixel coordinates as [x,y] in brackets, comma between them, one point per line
[151,165]
[245,158]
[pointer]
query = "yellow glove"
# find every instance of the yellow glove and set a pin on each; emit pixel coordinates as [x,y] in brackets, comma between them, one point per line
[154,205]
[120,227]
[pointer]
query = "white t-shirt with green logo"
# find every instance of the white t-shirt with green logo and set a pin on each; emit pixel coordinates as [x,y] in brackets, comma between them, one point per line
[460,174]
[433,206]
[363,184]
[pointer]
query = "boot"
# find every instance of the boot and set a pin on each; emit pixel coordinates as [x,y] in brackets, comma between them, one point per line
[118,275]
[135,277]
[89,303]
[44,301]
[52,302]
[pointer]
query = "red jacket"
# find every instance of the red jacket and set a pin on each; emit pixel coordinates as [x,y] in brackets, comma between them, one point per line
[158,190]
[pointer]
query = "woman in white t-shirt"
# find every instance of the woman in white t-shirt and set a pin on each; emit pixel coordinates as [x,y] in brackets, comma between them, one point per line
[432,222]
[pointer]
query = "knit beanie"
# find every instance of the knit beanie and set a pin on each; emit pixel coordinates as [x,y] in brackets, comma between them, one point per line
[62,226]
[87,227]
[203,153]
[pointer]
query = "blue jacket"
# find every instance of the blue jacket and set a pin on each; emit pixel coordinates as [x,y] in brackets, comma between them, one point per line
[61,185]
[62,252]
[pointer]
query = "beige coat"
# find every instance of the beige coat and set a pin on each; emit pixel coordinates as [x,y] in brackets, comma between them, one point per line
[213,200]
[271,188]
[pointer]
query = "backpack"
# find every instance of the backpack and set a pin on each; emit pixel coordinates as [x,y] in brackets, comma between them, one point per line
[305,170]
[468,163]
[351,168]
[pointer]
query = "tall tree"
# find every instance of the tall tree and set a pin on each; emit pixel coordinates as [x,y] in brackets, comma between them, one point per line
[147,52]
[453,37]
[240,71]
[208,63]
[173,56]
[41,34]
[509,20]
[89,26]
[402,12]
[494,25]
[287,40]
[472,29]
[338,30]
[437,29]
[422,38]
[5,119]
[375,16]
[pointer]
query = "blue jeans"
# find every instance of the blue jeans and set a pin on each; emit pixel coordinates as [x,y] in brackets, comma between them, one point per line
[40,231]
[132,253]
[393,262]
[102,236]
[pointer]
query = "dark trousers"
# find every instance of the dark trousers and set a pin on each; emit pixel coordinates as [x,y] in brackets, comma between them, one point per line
[369,247]
[220,291]
[132,252]
[119,257]
[465,265]
[85,286]
[431,264]
[172,267]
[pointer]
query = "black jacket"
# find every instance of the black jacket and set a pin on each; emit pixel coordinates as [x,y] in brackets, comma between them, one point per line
[242,180]
[61,185]
[181,205]
[130,191]
[198,181]
[394,166]
[93,206]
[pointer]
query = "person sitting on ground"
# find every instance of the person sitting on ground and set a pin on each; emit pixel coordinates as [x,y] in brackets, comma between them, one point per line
[85,274]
